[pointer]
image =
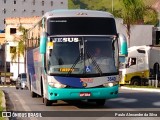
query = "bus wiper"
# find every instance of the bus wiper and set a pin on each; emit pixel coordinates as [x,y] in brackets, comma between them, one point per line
[74,64]
[94,63]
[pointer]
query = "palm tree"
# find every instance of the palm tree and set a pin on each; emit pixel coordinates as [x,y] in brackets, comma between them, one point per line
[21,48]
[136,12]
[150,16]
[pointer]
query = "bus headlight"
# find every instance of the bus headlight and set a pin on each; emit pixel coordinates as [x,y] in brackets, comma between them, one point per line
[57,85]
[110,84]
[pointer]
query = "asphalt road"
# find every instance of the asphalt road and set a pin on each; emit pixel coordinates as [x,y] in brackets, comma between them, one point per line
[128,100]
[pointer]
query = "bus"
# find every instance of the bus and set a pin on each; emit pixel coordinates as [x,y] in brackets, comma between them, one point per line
[60,56]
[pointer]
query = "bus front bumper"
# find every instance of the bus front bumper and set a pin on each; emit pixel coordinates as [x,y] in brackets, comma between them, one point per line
[82,93]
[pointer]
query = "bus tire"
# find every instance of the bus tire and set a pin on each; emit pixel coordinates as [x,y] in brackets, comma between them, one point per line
[100,102]
[29,83]
[47,102]
[33,94]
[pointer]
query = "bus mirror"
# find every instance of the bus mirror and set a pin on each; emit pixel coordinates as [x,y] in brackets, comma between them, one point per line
[43,41]
[123,44]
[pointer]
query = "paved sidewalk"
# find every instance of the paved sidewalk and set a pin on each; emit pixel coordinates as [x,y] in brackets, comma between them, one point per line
[142,89]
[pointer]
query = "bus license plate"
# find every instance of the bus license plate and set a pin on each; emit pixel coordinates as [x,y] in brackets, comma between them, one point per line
[85,94]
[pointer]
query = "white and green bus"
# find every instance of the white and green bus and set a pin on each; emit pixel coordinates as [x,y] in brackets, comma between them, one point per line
[61,63]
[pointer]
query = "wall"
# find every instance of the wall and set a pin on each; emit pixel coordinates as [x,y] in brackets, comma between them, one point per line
[2,40]
[12,40]
[25,8]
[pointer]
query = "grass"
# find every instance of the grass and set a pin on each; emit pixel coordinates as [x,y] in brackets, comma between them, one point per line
[1,108]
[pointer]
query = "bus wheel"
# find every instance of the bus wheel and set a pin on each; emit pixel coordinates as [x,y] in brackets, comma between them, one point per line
[100,102]
[47,102]
[33,94]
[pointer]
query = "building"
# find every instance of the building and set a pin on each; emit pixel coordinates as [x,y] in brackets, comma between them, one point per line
[4,66]
[27,8]
[14,13]
[12,37]
[2,39]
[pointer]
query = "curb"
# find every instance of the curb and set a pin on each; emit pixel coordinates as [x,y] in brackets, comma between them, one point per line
[142,89]
[3,101]
[4,104]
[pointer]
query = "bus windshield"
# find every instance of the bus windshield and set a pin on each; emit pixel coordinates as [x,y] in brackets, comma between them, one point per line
[81,26]
[86,55]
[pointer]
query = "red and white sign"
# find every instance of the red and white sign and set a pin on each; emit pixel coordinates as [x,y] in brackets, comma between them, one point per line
[87,80]
[85,94]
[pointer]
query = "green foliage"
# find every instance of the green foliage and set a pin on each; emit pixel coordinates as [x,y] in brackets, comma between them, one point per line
[132,11]
[96,5]
[13,49]
[0,98]
[135,11]
[21,44]
[150,16]
[90,4]
[21,47]
[72,5]
[1,108]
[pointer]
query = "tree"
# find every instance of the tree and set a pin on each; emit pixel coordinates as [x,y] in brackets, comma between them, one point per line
[21,48]
[103,5]
[151,16]
[72,4]
[136,12]
[132,11]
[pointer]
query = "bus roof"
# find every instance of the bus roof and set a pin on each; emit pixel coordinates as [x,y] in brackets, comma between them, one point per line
[77,13]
